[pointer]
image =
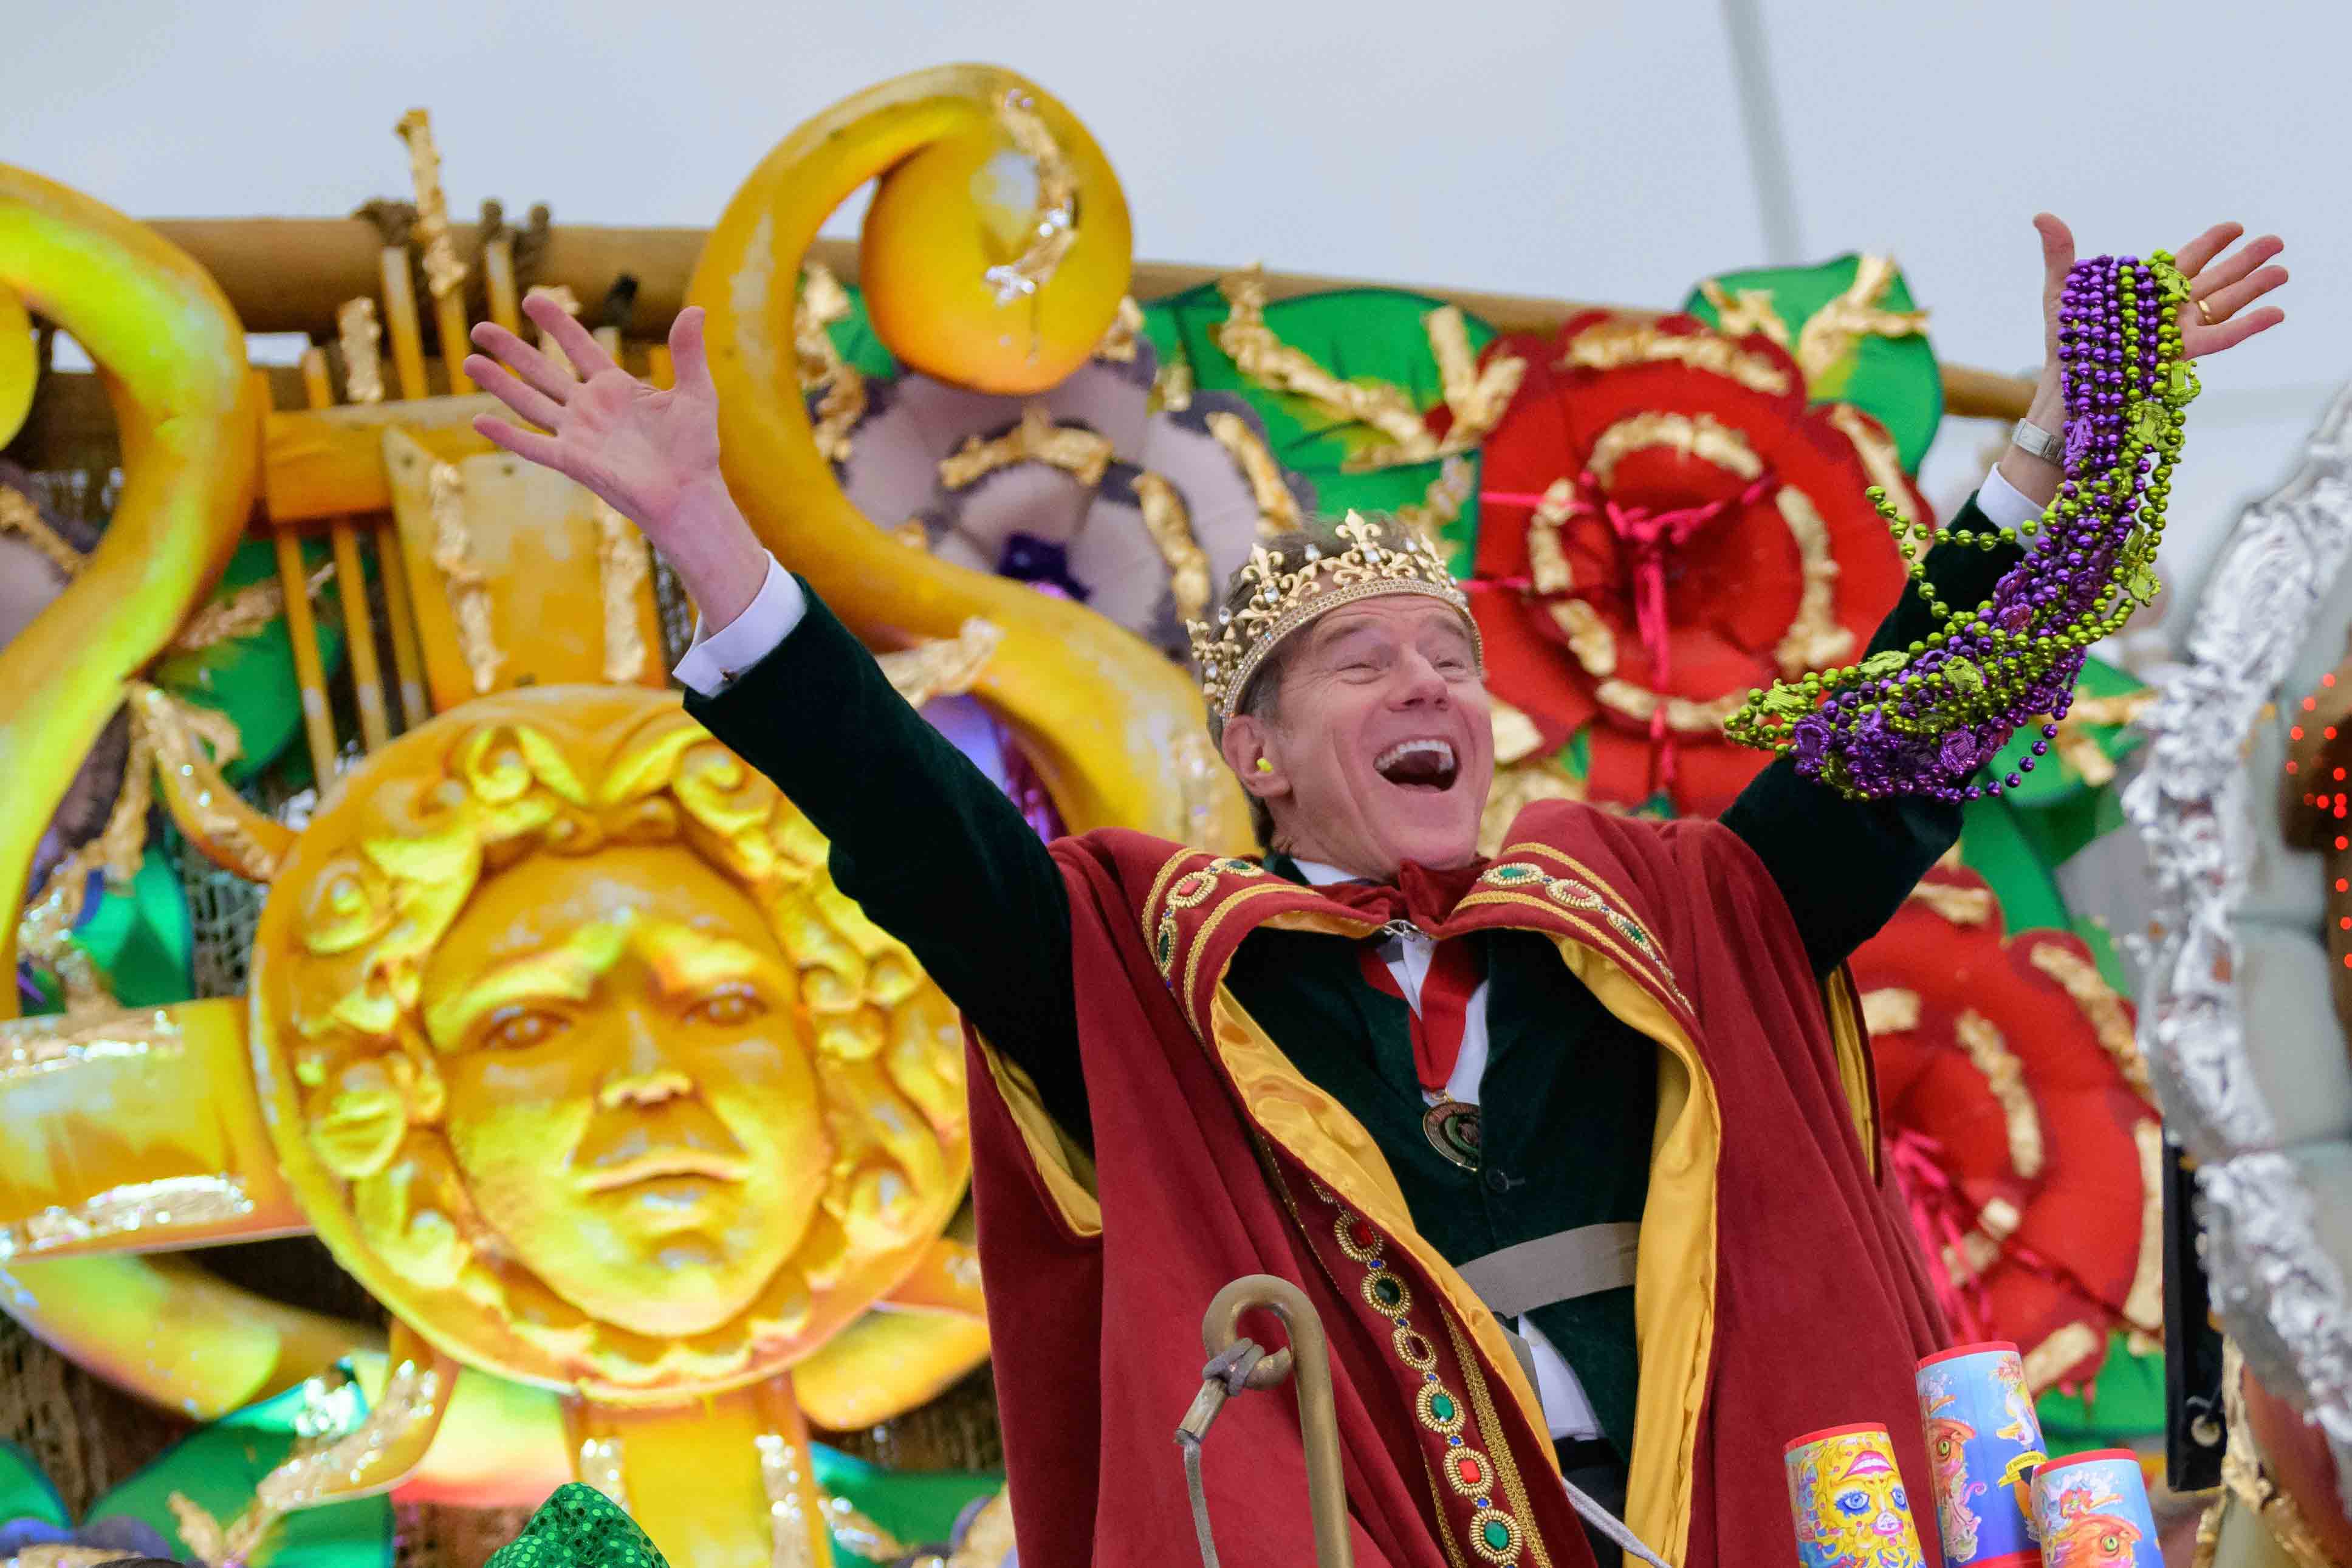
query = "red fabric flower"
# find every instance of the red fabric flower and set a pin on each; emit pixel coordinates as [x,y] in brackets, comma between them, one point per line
[1664,517]
[2014,1108]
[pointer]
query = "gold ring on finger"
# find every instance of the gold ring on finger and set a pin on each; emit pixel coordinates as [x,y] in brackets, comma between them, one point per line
[2205,312]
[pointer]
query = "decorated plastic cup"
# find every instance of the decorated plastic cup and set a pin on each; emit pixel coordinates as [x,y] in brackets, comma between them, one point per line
[1848,1500]
[1984,1443]
[2092,1511]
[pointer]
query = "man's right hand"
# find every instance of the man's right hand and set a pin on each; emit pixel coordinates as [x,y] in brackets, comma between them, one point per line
[652,454]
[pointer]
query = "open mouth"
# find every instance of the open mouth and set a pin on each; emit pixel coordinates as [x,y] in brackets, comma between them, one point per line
[666,1164]
[1423,765]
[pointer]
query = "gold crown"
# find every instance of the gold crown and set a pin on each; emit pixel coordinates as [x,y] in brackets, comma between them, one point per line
[1380,558]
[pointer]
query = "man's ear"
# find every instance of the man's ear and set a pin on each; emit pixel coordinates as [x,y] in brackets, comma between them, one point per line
[1245,744]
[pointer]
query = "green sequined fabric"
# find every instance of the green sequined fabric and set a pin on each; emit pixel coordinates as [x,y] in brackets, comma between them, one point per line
[578,1527]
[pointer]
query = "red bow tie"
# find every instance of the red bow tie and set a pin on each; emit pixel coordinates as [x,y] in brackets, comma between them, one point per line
[1423,896]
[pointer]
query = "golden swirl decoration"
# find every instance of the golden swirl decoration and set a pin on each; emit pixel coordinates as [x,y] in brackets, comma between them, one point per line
[1442,502]
[1170,525]
[2248,1481]
[1959,905]
[623,561]
[2079,749]
[835,384]
[1060,668]
[944,667]
[1118,344]
[1475,398]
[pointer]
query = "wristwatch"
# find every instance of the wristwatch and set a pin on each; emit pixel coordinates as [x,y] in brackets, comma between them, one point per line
[2037,442]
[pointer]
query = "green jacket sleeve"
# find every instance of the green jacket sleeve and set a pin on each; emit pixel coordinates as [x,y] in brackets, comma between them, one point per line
[1846,866]
[924,840]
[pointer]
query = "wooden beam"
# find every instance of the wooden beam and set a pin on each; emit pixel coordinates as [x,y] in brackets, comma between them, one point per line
[328,462]
[288,274]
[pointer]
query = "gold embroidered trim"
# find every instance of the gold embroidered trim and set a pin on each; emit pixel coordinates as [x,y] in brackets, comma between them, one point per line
[1548,565]
[1170,528]
[1277,509]
[1814,639]
[2102,1007]
[212,813]
[1053,225]
[837,386]
[127,1210]
[1699,436]
[622,563]
[1171,385]
[944,666]
[2249,1481]
[468,589]
[1073,449]
[2064,1348]
[443,271]
[1126,327]
[1959,906]
[361,339]
[32,1046]
[1879,458]
[1610,345]
[569,303]
[2078,749]
[242,613]
[1890,1010]
[20,516]
[1989,1054]
[1684,716]
[1496,1444]
[2144,1305]
[1475,398]
[784,1475]
[1442,502]
[1830,332]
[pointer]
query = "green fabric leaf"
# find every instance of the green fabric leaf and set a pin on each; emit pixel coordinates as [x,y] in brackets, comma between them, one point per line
[1962,675]
[1357,334]
[217,1467]
[919,1507]
[251,679]
[1884,663]
[25,1492]
[140,937]
[2125,1401]
[1992,846]
[853,340]
[2052,783]
[1895,380]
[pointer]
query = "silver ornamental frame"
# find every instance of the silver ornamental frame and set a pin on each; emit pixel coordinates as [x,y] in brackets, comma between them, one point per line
[2280,1295]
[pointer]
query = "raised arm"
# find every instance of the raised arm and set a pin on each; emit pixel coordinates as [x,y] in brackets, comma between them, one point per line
[1846,866]
[926,843]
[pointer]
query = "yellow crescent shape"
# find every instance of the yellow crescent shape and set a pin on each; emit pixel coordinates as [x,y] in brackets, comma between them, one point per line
[174,354]
[1116,732]
[19,369]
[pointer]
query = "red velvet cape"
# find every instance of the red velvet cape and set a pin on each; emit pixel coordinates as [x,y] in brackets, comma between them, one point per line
[1779,1286]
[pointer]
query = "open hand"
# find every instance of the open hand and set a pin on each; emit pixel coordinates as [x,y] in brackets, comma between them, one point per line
[642,449]
[2223,286]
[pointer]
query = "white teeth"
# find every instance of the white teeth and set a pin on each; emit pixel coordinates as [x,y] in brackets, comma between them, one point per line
[1442,750]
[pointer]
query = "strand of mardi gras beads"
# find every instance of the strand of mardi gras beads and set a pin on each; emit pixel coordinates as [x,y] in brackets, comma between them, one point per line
[1925,720]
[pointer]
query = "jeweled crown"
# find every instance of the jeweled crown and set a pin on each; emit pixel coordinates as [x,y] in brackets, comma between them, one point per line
[1380,557]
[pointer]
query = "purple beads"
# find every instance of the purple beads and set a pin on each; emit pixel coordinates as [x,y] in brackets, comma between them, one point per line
[1926,721]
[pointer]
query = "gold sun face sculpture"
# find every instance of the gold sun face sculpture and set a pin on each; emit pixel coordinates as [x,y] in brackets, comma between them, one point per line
[578,1060]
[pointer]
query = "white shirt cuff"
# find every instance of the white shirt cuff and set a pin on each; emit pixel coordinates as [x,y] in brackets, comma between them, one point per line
[2003,503]
[716,658]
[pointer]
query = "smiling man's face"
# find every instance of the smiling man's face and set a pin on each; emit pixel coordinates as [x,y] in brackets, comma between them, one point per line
[1380,741]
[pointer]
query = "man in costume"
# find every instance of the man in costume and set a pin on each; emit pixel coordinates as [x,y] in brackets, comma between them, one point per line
[1573,1152]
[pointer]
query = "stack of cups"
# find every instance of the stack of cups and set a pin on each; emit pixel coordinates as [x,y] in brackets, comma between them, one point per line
[2092,1511]
[1848,1499]
[1984,1444]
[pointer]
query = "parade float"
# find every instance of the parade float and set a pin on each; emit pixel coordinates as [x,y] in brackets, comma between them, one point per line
[329,726]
